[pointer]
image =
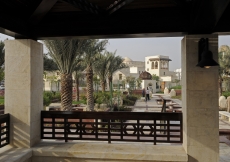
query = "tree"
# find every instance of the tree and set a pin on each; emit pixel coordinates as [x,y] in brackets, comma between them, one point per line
[224,68]
[94,47]
[101,68]
[66,54]
[77,75]
[155,77]
[49,64]
[2,60]
[116,64]
[96,82]
[139,81]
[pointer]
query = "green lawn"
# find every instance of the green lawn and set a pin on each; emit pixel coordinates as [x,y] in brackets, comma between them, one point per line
[176,97]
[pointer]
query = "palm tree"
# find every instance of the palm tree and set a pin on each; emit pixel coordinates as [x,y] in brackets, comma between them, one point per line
[101,68]
[49,64]
[224,69]
[94,47]
[116,64]
[66,54]
[77,75]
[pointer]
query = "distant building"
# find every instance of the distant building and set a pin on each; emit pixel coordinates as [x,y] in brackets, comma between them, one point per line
[134,70]
[158,65]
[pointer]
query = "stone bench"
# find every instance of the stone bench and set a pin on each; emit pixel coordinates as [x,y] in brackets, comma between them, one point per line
[224,115]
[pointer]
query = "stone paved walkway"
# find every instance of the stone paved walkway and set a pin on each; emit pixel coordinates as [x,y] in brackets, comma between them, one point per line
[152,106]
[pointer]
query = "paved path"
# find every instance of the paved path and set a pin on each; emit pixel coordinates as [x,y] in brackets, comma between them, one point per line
[152,106]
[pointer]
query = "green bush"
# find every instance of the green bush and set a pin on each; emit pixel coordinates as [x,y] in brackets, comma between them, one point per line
[83,98]
[226,94]
[78,102]
[128,102]
[123,108]
[46,100]
[102,97]
[132,98]
[57,95]
[176,87]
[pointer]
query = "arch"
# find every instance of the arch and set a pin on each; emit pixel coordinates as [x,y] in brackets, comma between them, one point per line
[156,65]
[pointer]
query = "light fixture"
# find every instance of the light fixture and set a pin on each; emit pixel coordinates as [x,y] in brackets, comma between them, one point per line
[205,59]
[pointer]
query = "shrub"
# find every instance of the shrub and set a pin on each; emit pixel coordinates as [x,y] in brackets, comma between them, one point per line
[132,98]
[46,100]
[176,87]
[226,94]
[128,102]
[83,99]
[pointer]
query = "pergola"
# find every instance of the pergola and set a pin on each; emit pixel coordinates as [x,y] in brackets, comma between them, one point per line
[31,20]
[45,19]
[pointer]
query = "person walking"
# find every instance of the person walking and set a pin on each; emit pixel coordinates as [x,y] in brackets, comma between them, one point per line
[143,92]
[147,94]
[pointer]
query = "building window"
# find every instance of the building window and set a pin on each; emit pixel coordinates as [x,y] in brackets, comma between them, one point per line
[156,65]
[152,65]
[120,76]
[147,62]
[147,69]
[164,73]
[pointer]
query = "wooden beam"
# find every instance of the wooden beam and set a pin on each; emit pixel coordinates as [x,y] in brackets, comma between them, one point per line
[42,9]
[205,15]
[117,5]
[87,6]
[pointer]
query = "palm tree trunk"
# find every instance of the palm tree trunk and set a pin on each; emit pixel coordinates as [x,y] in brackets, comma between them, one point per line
[66,91]
[103,86]
[110,78]
[90,99]
[77,88]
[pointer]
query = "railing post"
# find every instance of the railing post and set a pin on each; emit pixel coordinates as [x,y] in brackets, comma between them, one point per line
[96,131]
[138,132]
[109,133]
[121,129]
[168,130]
[67,127]
[155,132]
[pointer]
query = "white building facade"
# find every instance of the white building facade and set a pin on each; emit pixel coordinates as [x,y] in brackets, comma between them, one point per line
[158,65]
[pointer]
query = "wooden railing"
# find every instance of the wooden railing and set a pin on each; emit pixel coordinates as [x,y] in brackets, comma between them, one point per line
[5,129]
[112,126]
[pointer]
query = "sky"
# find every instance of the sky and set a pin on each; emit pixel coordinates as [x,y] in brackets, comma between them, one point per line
[138,48]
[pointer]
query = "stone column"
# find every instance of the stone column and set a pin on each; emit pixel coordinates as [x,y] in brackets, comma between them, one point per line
[200,102]
[24,90]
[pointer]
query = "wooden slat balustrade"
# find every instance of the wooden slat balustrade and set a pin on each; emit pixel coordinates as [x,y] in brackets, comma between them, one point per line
[4,129]
[112,126]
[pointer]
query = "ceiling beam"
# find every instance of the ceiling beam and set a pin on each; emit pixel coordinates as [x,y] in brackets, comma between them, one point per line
[139,22]
[42,9]
[205,14]
[87,6]
[117,5]
[181,2]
